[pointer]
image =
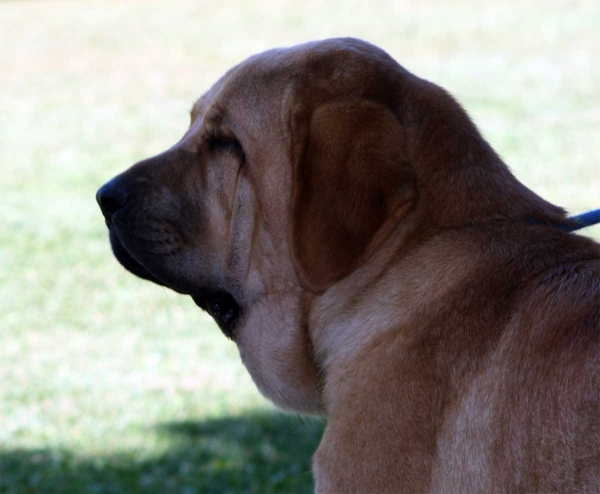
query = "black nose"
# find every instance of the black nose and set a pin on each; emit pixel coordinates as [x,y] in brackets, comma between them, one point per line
[111,197]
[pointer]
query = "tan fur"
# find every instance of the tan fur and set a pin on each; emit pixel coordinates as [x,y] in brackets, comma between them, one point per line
[394,276]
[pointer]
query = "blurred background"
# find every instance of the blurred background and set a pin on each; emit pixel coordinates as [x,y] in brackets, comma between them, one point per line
[111,384]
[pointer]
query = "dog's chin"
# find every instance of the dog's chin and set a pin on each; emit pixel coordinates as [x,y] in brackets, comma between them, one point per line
[219,303]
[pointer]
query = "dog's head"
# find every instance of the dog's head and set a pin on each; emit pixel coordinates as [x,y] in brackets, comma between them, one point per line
[297,166]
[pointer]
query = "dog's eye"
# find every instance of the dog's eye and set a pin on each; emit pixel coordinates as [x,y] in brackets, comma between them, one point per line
[226,144]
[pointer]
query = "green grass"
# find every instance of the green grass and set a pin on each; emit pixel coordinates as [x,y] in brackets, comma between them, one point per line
[253,452]
[111,384]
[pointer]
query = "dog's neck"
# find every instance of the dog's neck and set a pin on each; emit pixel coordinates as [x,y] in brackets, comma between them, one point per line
[460,177]
[403,280]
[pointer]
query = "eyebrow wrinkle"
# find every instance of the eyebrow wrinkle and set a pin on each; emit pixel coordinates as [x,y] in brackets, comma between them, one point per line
[214,114]
[197,107]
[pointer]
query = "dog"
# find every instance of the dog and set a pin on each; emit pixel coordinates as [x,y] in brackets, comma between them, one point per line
[375,261]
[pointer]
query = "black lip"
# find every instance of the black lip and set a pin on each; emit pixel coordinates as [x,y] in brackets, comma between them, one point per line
[200,301]
[128,261]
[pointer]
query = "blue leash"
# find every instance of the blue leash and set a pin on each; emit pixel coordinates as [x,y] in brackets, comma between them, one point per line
[582,221]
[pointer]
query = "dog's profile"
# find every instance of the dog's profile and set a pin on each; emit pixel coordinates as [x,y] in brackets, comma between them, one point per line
[375,261]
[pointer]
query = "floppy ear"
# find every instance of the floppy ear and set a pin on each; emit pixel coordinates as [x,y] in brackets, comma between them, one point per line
[353,183]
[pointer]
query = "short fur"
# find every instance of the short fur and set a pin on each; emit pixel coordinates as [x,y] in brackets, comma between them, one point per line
[383,268]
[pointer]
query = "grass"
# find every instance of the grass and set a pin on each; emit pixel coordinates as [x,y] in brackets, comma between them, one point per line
[110,384]
[254,452]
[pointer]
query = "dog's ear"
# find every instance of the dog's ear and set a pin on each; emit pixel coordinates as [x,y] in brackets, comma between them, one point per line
[353,183]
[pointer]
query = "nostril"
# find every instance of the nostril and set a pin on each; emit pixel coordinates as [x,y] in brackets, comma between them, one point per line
[111,198]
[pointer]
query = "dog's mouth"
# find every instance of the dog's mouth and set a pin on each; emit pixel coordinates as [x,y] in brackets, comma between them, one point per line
[220,304]
[223,307]
[129,262]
